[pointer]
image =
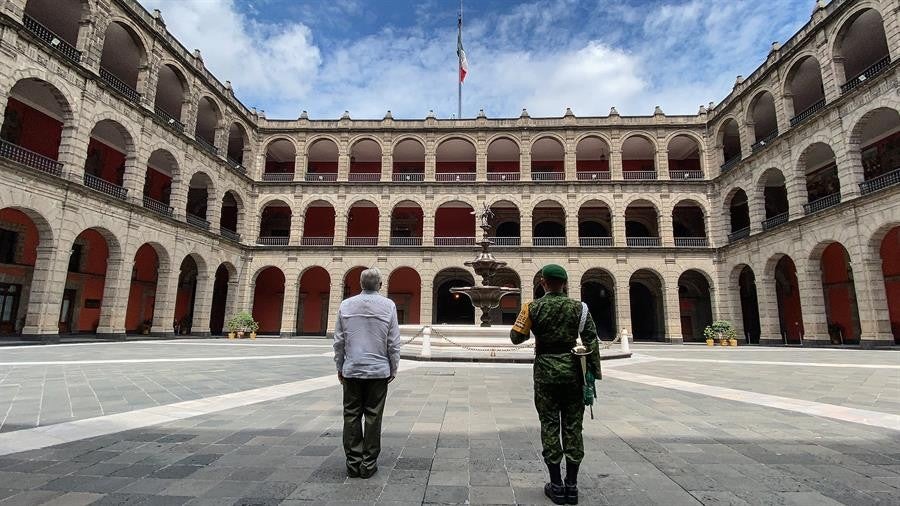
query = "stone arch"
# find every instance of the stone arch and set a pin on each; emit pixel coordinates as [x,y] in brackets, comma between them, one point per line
[598,291]
[866,12]
[695,301]
[123,67]
[648,304]
[58,88]
[404,287]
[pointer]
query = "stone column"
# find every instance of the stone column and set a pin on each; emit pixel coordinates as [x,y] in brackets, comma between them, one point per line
[570,161]
[661,160]
[812,302]
[289,304]
[384,227]
[615,160]
[115,299]
[767,300]
[572,227]
[481,164]
[202,304]
[300,162]
[426,299]
[387,164]
[73,151]
[757,209]
[297,225]
[525,163]
[214,212]
[430,165]
[335,296]
[850,167]
[178,197]
[871,296]
[340,228]
[620,240]
[164,308]
[525,227]
[231,300]
[133,180]
[428,216]
[343,165]
[672,313]
[623,305]
[666,232]
[48,280]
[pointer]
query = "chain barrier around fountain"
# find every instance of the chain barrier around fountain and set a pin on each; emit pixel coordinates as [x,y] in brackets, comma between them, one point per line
[477,341]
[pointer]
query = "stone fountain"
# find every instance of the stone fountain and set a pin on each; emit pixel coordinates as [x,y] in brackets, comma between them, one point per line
[485,296]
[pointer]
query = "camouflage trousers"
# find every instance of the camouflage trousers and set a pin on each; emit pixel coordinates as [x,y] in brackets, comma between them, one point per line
[560,409]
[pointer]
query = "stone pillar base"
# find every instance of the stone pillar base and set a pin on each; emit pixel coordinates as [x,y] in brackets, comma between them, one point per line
[43,338]
[112,336]
[816,343]
[868,344]
[770,342]
[674,340]
[287,334]
[198,334]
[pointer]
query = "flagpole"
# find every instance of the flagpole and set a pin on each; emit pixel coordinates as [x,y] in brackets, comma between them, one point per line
[458,80]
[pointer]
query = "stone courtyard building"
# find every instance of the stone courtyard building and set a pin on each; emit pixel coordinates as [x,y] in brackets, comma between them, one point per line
[138,194]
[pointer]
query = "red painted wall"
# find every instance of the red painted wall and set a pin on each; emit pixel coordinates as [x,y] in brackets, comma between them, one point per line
[315,286]
[268,298]
[890,267]
[454,222]
[108,163]
[365,167]
[840,295]
[689,164]
[404,167]
[503,166]
[592,165]
[142,294]
[157,186]
[629,165]
[445,167]
[364,222]
[91,279]
[20,272]
[273,167]
[36,131]
[406,282]
[351,282]
[323,167]
[415,227]
[547,166]
[319,222]
[183,302]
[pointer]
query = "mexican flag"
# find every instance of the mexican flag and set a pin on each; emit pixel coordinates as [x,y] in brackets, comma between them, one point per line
[463,62]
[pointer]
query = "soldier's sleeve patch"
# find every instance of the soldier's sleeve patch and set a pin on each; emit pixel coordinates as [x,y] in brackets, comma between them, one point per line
[523,321]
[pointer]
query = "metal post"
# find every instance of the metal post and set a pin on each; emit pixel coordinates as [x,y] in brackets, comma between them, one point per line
[426,342]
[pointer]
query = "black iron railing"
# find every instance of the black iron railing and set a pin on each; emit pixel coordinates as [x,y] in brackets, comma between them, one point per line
[197,221]
[685,174]
[730,163]
[595,242]
[639,174]
[170,120]
[643,242]
[278,177]
[51,39]
[737,235]
[691,242]
[119,85]
[405,177]
[774,221]
[230,234]
[272,241]
[27,157]
[805,115]
[236,165]
[877,68]
[765,141]
[205,144]
[105,186]
[878,183]
[158,207]
[822,203]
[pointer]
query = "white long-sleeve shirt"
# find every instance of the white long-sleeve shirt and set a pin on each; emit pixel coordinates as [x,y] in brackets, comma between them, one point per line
[367,337]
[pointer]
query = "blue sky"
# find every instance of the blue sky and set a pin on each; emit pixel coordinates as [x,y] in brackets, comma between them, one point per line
[368,56]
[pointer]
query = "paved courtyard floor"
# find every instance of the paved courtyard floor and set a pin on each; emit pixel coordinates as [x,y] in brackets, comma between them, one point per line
[222,422]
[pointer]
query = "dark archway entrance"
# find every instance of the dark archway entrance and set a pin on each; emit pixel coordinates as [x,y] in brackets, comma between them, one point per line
[749,305]
[695,305]
[598,292]
[787,291]
[219,301]
[452,308]
[312,304]
[839,291]
[647,312]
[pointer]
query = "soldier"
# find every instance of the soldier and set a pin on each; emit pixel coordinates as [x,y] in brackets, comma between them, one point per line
[556,321]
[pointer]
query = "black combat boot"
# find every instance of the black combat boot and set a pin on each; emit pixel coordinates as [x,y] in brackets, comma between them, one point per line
[555,490]
[572,482]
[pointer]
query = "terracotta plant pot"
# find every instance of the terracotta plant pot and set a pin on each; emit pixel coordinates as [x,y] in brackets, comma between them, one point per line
[253,335]
[723,342]
[710,342]
[231,335]
[732,342]
[240,334]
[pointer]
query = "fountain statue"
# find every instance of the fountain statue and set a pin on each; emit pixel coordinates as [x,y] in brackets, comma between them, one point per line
[485,296]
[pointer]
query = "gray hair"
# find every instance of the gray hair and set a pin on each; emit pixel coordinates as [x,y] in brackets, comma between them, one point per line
[370,279]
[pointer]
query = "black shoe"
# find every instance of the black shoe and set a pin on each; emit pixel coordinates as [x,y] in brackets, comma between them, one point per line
[556,493]
[352,472]
[571,494]
[366,473]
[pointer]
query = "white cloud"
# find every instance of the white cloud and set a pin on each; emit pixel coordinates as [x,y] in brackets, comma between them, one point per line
[534,55]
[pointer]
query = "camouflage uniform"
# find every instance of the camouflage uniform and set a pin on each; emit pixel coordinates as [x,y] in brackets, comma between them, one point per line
[558,379]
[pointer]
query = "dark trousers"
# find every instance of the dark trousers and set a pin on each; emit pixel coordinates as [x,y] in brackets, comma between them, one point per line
[363,398]
[560,409]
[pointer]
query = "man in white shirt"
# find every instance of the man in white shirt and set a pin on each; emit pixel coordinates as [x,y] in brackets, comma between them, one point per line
[367,353]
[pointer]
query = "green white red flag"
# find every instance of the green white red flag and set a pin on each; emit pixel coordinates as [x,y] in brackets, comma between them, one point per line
[463,62]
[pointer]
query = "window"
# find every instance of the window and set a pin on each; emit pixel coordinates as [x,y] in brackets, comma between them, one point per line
[8,241]
[75,258]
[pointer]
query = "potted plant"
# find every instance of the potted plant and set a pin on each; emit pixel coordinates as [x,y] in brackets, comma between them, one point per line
[145,327]
[721,330]
[240,323]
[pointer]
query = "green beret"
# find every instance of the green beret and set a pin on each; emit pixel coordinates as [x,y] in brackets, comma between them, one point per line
[554,271]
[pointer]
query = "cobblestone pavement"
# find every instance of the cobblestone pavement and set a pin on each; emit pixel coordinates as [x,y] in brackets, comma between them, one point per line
[462,433]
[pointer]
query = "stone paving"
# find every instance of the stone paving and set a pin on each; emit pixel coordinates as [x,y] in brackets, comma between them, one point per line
[461,433]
